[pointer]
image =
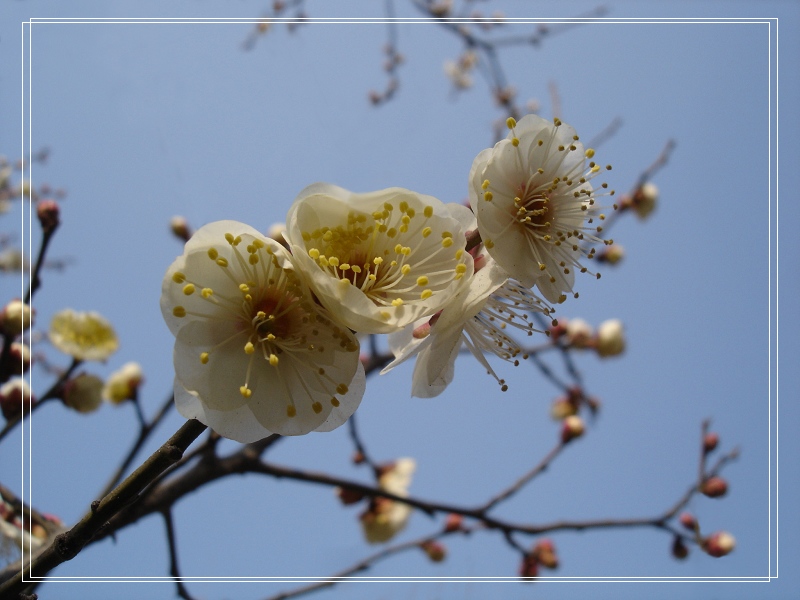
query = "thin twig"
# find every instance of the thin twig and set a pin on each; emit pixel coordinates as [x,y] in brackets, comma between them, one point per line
[144,432]
[174,571]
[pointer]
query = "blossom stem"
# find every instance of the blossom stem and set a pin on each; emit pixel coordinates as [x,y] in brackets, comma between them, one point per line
[67,545]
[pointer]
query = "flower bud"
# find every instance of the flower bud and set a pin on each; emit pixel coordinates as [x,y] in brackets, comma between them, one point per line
[714,487]
[710,442]
[83,393]
[612,254]
[610,339]
[562,408]
[645,199]
[679,549]
[572,428]
[16,317]
[123,384]
[453,522]
[15,397]
[579,333]
[20,358]
[275,232]
[529,567]
[348,496]
[48,213]
[545,553]
[688,521]
[719,544]
[179,227]
[435,551]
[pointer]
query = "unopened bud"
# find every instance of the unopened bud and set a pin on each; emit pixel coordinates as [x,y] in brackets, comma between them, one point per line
[572,428]
[557,329]
[610,339]
[123,384]
[453,522]
[579,333]
[562,408]
[714,487]
[349,496]
[20,357]
[358,457]
[435,551]
[679,549]
[275,232]
[15,397]
[83,393]
[719,544]
[710,442]
[688,521]
[38,531]
[529,567]
[16,317]
[611,254]
[645,199]
[48,213]
[545,553]
[180,228]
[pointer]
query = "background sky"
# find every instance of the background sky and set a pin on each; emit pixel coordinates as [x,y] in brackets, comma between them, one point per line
[146,121]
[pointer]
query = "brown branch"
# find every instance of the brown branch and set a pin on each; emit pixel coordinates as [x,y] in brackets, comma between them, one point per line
[67,545]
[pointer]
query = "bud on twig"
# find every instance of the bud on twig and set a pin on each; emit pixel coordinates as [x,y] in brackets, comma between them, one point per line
[48,213]
[688,521]
[16,317]
[14,398]
[348,496]
[436,552]
[710,442]
[679,549]
[545,553]
[180,228]
[719,544]
[529,567]
[572,428]
[453,522]
[714,487]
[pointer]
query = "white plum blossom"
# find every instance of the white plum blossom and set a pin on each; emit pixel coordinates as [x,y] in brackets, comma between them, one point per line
[534,203]
[254,354]
[381,260]
[477,318]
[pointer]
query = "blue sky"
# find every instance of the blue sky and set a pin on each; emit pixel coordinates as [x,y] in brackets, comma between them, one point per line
[146,121]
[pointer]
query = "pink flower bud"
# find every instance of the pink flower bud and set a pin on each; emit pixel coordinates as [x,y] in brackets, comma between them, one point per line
[714,487]
[719,544]
[572,428]
[710,442]
[545,553]
[453,522]
[435,551]
[48,213]
[688,521]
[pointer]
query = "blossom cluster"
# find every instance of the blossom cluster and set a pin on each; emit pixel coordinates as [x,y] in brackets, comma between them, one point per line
[266,327]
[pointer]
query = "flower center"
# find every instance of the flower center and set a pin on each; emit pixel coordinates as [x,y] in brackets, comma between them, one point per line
[393,255]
